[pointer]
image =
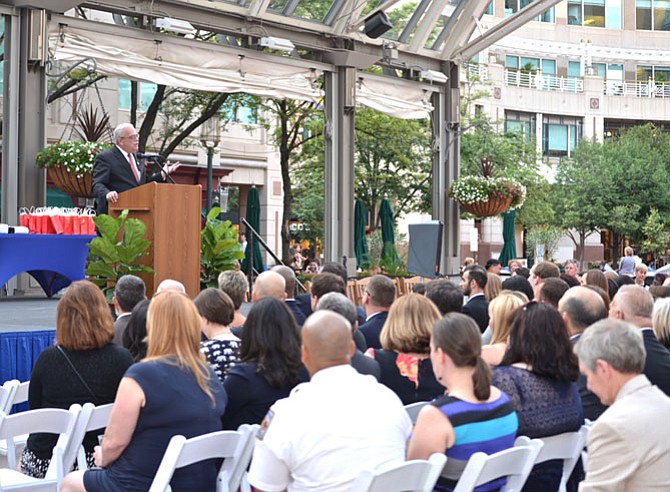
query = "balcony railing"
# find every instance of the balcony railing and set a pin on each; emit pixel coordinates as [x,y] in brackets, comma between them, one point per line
[543,82]
[637,89]
[476,72]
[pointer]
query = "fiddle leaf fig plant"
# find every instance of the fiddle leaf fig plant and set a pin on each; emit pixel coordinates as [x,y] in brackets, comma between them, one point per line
[219,248]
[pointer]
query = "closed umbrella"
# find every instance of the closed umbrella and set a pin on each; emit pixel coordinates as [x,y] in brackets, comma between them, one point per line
[388,233]
[253,216]
[360,241]
[509,242]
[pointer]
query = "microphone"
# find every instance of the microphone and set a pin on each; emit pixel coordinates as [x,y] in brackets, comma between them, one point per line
[150,157]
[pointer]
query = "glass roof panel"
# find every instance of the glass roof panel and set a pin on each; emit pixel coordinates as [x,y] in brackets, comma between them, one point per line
[313,10]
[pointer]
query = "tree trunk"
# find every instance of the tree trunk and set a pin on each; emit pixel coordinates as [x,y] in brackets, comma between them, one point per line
[284,160]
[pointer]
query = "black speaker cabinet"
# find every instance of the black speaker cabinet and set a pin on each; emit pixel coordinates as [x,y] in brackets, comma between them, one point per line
[425,248]
[376,25]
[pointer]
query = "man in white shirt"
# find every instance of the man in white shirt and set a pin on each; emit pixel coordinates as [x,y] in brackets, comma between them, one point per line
[332,428]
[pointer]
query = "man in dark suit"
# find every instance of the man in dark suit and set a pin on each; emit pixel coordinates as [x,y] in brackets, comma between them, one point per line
[580,307]
[635,305]
[117,170]
[289,277]
[128,291]
[377,300]
[473,282]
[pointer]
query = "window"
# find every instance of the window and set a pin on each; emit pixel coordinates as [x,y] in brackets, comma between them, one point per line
[530,64]
[518,121]
[146,94]
[595,13]
[652,15]
[489,9]
[654,72]
[513,6]
[240,108]
[560,135]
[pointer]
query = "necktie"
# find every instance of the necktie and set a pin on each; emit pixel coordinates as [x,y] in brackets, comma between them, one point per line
[131,160]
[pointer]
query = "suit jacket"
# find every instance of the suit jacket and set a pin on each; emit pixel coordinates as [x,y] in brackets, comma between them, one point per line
[657,365]
[304,302]
[591,404]
[372,328]
[297,312]
[119,327]
[365,365]
[629,445]
[112,172]
[478,309]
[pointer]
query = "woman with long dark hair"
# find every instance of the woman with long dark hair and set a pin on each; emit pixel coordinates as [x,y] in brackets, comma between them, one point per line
[269,366]
[538,372]
[473,416]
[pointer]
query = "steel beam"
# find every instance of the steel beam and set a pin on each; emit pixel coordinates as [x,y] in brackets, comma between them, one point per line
[461,25]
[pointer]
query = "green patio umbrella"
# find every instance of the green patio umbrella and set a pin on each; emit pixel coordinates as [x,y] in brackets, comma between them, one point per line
[253,216]
[360,241]
[388,227]
[509,246]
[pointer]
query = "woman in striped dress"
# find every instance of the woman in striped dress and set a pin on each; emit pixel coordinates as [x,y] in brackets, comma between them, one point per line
[472,415]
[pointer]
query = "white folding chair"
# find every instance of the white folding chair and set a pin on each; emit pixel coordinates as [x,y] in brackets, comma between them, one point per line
[230,445]
[567,447]
[7,391]
[413,410]
[514,464]
[18,393]
[91,418]
[49,420]
[410,476]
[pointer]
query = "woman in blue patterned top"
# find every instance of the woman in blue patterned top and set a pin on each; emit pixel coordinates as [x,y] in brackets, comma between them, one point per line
[473,415]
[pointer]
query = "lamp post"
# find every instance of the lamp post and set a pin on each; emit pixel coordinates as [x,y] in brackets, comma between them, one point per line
[210,135]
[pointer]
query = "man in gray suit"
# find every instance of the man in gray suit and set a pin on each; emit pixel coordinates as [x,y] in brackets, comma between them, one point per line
[629,445]
[129,290]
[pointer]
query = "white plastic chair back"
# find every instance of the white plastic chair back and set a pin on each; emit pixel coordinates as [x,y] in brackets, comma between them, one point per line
[413,410]
[515,464]
[7,392]
[230,445]
[18,393]
[90,418]
[49,420]
[567,447]
[410,476]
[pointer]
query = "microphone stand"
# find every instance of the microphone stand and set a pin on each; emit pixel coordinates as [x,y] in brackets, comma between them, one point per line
[156,161]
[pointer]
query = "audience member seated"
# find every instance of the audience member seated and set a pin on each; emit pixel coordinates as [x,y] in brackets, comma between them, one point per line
[342,305]
[447,296]
[135,335]
[493,266]
[522,272]
[171,392]
[419,288]
[269,364]
[659,292]
[171,285]
[539,273]
[493,286]
[571,269]
[597,278]
[581,307]
[635,305]
[551,291]
[290,290]
[519,284]
[629,445]
[222,348]
[304,301]
[269,284]
[332,428]
[377,300]
[405,359]
[538,372]
[659,279]
[474,416]
[513,265]
[473,283]
[128,291]
[661,322]
[501,310]
[641,274]
[83,366]
[570,280]
[234,283]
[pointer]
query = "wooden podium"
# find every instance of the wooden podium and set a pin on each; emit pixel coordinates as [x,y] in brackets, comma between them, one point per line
[171,213]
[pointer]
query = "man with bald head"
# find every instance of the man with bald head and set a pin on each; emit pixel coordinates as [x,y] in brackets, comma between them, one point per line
[332,428]
[580,307]
[635,305]
[269,284]
[289,278]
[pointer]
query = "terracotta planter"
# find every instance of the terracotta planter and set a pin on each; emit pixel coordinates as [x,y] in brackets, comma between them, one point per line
[488,209]
[71,184]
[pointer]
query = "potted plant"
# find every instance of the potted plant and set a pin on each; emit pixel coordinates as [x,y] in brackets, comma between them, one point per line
[70,165]
[117,251]
[485,195]
[219,248]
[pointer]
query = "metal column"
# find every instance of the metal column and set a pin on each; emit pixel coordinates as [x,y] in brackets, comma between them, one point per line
[339,184]
[446,168]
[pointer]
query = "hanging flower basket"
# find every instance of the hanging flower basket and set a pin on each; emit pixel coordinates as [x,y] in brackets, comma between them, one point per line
[487,196]
[70,165]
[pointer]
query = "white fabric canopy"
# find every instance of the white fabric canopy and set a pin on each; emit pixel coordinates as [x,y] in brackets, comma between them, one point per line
[206,68]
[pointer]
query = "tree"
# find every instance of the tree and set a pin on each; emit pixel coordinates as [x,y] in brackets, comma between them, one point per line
[655,234]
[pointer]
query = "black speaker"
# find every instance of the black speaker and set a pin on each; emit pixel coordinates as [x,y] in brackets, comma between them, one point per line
[425,248]
[376,25]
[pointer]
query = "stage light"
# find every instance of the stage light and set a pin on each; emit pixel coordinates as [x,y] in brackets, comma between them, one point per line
[174,25]
[434,76]
[279,44]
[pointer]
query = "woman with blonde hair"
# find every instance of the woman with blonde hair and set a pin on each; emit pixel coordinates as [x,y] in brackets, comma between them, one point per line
[171,392]
[661,321]
[627,263]
[405,356]
[501,310]
[83,366]
[493,286]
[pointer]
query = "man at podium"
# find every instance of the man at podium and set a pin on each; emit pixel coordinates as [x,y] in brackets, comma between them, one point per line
[117,170]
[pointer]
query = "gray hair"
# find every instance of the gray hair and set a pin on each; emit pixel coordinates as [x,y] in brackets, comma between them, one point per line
[616,342]
[119,129]
[635,302]
[339,303]
[129,290]
[234,283]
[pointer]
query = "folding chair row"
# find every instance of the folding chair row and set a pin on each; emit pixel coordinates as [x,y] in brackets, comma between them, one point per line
[13,393]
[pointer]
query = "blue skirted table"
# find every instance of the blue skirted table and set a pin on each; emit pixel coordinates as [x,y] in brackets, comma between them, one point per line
[53,260]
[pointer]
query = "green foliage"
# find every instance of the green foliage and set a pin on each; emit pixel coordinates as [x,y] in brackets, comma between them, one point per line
[655,234]
[547,235]
[110,258]
[219,249]
[473,189]
[76,156]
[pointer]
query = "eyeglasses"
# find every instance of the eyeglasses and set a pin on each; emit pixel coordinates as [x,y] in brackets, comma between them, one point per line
[132,137]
